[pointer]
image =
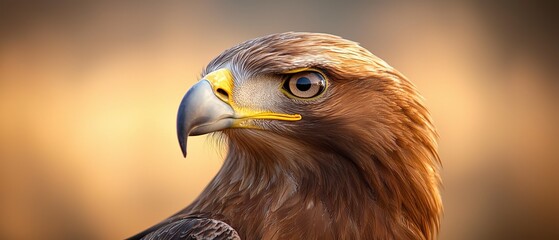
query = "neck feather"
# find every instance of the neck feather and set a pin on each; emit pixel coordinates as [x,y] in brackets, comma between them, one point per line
[347,190]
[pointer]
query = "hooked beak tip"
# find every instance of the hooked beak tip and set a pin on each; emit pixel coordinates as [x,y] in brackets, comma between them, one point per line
[182,143]
[181,131]
[201,112]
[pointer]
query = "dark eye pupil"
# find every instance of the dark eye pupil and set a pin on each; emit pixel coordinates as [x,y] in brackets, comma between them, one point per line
[303,84]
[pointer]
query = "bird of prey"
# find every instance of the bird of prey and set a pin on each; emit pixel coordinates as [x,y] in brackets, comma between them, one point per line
[324,141]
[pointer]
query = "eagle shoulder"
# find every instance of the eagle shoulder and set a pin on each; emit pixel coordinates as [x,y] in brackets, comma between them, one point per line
[193,228]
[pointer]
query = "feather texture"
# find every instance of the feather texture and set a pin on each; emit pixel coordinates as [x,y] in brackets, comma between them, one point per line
[192,229]
[361,164]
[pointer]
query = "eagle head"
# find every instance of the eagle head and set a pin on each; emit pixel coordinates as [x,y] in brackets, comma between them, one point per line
[324,139]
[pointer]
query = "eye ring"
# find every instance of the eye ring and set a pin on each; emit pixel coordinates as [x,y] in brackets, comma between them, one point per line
[304,85]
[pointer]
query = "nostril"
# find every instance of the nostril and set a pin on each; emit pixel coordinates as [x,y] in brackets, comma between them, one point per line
[222,94]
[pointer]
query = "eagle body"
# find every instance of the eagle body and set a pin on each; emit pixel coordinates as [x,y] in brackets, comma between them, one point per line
[356,160]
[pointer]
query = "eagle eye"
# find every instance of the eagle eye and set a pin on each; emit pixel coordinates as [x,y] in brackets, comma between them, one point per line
[307,84]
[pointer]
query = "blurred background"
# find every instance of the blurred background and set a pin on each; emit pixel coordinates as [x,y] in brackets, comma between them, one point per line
[89,93]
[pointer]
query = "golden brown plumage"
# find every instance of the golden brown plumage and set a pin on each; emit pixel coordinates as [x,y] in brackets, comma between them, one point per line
[361,163]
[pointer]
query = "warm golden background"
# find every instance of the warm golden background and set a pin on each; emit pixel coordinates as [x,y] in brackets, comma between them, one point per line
[89,93]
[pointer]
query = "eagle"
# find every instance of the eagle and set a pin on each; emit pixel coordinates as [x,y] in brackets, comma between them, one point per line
[324,141]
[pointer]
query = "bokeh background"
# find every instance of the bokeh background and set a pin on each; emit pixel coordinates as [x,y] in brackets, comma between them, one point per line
[89,93]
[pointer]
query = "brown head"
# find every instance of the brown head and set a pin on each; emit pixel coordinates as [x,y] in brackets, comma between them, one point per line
[327,120]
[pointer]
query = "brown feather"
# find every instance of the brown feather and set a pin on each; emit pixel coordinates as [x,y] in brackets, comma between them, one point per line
[362,164]
[371,176]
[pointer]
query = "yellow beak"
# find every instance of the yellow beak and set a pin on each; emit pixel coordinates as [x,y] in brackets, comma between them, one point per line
[208,107]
